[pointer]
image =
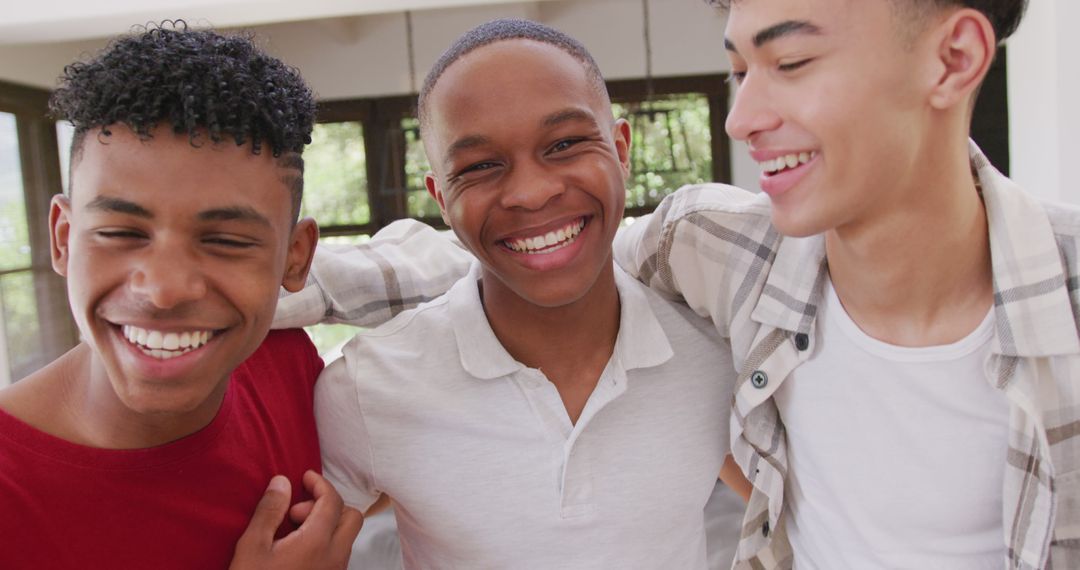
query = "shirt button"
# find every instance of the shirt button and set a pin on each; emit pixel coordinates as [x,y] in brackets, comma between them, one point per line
[765,529]
[759,379]
[802,341]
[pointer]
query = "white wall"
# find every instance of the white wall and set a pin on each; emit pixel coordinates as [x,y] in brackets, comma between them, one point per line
[366,56]
[1044,91]
[363,56]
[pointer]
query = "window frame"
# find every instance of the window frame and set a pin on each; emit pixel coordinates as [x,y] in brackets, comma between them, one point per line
[39,157]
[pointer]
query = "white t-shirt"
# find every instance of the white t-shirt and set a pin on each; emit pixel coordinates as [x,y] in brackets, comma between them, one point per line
[481,459]
[918,483]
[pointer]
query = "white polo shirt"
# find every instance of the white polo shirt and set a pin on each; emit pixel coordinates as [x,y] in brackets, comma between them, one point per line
[481,459]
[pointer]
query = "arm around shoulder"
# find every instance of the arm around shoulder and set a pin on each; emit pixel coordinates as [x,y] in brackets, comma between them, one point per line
[404,264]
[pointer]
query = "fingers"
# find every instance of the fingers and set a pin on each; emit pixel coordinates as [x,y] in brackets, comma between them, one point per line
[268,514]
[299,512]
[348,527]
[324,515]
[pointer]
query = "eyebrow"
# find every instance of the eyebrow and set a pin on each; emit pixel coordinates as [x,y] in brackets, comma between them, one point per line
[234,213]
[777,31]
[119,206]
[464,144]
[566,115]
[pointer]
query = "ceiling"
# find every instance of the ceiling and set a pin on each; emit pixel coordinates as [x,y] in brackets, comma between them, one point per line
[48,21]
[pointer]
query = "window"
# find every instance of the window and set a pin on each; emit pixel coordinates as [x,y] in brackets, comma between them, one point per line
[35,323]
[335,176]
[671,146]
[19,334]
[419,203]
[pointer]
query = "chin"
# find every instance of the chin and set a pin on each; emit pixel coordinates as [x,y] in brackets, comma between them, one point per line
[797,226]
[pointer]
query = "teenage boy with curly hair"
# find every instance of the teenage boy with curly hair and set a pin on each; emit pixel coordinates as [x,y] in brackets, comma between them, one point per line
[150,444]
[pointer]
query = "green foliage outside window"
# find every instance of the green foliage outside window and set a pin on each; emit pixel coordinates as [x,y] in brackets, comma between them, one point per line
[14,236]
[21,324]
[419,202]
[335,175]
[672,146]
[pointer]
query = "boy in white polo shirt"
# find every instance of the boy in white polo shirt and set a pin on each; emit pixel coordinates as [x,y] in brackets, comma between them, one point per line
[549,411]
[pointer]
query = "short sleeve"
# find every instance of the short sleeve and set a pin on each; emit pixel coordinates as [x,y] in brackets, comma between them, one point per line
[343,437]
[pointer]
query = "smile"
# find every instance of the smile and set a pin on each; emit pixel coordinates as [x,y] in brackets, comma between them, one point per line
[549,242]
[788,161]
[165,345]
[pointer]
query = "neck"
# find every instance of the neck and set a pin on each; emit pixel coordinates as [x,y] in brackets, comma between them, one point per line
[571,344]
[78,403]
[555,338]
[917,271]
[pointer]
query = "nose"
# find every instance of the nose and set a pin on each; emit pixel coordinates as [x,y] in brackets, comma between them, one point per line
[168,279]
[532,185]
[753,111]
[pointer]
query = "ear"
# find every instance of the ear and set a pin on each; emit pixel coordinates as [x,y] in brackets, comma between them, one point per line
[621,133]
[433,189]
[965,51]
[301,250]
[59,232]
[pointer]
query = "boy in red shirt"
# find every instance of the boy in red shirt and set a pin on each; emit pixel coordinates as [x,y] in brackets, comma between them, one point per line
[150,444]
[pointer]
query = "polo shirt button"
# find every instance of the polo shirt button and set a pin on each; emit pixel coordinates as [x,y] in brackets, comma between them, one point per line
[802,341]
[765,529]
[759,379]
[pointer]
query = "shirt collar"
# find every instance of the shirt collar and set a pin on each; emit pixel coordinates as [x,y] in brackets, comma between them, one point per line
[795,285]
[1032,313]
[641,341]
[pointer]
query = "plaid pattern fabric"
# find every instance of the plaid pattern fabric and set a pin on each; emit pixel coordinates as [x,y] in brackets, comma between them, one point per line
[405,264]
[714,247]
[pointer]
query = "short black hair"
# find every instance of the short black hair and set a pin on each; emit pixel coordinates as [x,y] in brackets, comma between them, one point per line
[501,30]
[1004,15]
[201,83]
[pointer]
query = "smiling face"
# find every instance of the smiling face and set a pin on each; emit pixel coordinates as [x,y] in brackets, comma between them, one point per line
[529,168]
[832,102]
[174,256]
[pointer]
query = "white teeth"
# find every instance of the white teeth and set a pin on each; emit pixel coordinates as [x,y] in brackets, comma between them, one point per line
[165,345]
[787,161]
[154,340]
[548,242]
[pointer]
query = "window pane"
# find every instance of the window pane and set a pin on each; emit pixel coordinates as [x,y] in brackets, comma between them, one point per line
[335,175]
[419,202]
[14,240]
[21,328]
[64,133]
[672,146]
[354,239]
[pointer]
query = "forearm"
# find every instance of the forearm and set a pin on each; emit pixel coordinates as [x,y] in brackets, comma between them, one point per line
[404,264]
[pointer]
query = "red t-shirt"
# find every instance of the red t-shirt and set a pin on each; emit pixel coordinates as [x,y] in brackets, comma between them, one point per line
[182,505]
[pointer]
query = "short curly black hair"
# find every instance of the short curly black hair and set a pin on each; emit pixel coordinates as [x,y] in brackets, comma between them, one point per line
[201,83]
[501,30]
[1004,15]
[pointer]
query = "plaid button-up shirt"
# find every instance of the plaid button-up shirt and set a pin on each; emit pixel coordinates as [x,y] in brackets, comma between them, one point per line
[714,246]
